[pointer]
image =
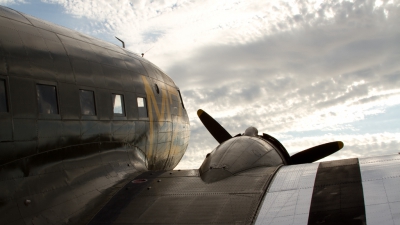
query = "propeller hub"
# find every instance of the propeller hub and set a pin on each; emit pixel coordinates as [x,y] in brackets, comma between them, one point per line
[251,131]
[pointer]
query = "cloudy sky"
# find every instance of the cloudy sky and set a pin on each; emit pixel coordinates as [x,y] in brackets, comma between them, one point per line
[305,72]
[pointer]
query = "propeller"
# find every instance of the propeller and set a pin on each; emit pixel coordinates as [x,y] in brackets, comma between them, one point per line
[316,153]
[215,129]
[306,156]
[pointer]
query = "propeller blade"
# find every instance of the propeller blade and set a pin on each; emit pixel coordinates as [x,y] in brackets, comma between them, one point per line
[315,153]
[215,129]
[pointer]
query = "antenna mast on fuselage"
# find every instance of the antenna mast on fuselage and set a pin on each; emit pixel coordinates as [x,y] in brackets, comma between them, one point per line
[123,43]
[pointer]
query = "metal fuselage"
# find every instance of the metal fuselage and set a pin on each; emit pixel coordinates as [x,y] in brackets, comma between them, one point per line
[66,162]
[89,129]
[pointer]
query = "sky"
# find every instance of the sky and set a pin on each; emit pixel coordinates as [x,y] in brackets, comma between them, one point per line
[305,72]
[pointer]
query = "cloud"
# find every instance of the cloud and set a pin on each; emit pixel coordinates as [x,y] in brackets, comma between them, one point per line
[315,77]
[282,66]
[355,146]
[12,2]
[195,24]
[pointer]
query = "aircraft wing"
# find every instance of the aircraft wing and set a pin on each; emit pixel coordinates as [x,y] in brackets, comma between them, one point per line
[181,197]
[349,191]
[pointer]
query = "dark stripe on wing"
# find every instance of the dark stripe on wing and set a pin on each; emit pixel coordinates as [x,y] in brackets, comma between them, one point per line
[338,194]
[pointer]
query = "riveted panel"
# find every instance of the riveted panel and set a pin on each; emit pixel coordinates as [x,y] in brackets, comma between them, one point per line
[61,61]
[104,104]
[12,14]
[23,98]
[288,198]
[69,101]
[83,72]
[181,197]
[122,130]
[135,65]
[381,180]
[131,106]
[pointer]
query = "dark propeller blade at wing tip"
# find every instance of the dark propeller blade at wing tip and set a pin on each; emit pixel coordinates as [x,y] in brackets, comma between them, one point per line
[316,153]
[215,129]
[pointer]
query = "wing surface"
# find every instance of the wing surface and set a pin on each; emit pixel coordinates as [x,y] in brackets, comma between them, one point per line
[350,191]
[381,184]
[288,198]
[181,197]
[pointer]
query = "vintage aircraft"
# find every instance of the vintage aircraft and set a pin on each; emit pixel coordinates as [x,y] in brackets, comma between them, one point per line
[90,133]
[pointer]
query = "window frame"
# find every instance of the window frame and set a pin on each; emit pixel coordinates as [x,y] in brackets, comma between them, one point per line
[145,106]
[48,116]
[117,115]
[83,116]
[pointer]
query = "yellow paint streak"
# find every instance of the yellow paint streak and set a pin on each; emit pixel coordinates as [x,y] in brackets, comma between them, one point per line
[151,101]
[166,102]
[173,91]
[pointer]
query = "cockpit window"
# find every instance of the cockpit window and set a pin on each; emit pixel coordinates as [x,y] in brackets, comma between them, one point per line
[142,106]
[118,105]
[88,107]
[47,99]
[180,96]
[3,97]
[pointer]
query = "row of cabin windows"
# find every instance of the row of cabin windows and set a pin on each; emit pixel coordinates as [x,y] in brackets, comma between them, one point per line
[48,103]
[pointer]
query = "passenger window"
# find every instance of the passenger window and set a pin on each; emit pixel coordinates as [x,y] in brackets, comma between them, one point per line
[118,105]
[87,103]
[142,107]
[47,99]
[3,97]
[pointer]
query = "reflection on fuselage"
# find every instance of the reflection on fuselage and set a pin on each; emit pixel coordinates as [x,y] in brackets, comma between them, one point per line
[78,117]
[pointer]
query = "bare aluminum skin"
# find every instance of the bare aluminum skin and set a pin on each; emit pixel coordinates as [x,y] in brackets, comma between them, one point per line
[62,167]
